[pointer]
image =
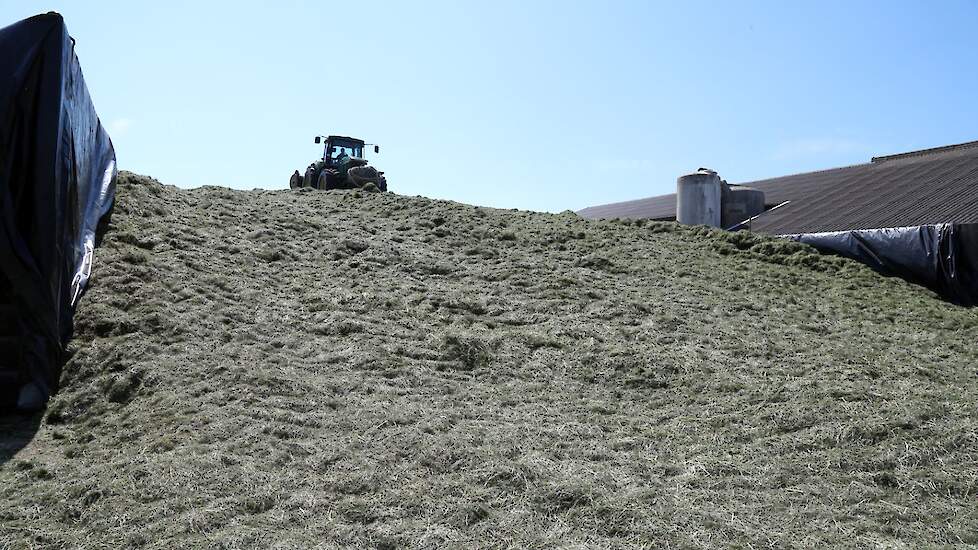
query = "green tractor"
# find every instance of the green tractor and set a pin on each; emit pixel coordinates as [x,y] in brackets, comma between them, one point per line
[342,167]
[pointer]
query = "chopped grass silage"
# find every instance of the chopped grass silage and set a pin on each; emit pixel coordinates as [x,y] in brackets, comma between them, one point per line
[345,369]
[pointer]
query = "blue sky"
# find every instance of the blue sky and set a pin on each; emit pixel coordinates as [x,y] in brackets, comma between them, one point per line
[542,105]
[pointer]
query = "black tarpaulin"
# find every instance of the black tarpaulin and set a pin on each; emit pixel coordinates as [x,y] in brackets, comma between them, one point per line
[942,257]
[57,183]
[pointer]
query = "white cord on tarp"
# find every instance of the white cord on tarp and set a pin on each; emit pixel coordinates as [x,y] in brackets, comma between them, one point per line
[84,272]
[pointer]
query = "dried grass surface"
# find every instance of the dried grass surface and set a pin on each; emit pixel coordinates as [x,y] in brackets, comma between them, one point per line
[279,369]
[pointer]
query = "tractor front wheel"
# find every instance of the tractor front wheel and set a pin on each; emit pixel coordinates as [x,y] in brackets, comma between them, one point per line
[312,174]
[295,181]
[307,180]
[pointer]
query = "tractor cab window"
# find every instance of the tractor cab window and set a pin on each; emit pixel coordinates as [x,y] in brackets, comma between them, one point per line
[336,151]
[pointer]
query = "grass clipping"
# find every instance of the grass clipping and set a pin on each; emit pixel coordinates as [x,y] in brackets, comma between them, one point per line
[346,369]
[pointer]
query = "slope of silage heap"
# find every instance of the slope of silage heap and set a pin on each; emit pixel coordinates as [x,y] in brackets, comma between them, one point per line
[345,369]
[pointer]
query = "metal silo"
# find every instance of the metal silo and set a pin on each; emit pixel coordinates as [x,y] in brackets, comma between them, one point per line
[698,198]
[740,203]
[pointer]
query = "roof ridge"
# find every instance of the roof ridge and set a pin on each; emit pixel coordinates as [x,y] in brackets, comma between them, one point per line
[925,152]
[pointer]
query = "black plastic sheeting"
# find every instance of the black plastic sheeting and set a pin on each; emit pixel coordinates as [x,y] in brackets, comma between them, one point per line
[942,257]
[57,184]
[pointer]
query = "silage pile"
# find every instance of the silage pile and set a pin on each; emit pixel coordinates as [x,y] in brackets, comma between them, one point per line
[344,369]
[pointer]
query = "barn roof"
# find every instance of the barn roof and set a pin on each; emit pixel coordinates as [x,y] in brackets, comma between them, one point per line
[937,185]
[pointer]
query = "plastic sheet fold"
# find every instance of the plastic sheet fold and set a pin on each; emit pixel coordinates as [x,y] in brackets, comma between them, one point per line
[942,257]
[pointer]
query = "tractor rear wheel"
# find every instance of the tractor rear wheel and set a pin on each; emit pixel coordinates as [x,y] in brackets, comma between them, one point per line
[329,179]
[295,181]
[362,175]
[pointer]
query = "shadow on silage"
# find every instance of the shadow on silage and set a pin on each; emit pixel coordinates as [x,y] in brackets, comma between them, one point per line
[16,431]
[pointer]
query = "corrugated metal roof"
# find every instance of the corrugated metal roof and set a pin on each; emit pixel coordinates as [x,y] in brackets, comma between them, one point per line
[921,187]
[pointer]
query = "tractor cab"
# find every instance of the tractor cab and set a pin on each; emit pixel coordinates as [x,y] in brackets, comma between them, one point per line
[338,148]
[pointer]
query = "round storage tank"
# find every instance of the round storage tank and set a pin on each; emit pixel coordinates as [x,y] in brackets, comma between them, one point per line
[698,198]
[739,204]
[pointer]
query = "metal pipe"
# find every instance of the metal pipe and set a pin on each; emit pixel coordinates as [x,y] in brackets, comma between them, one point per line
[752,218]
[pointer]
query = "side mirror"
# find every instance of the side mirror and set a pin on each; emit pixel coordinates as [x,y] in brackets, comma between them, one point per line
[317,139]
[376,148]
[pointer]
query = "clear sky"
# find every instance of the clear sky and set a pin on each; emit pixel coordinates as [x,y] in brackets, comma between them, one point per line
[543,105]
